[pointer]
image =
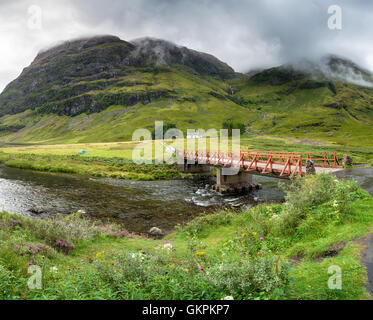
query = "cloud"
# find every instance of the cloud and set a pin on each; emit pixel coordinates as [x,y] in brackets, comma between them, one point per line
[246,34]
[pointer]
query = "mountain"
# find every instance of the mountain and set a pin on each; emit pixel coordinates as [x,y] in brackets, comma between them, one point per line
[331,99]
[103,88]
[77,76]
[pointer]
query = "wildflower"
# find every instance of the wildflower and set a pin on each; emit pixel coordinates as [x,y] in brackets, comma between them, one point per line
[81,212]
[200,253]
[167,246]
[53,269]
[29,263]
[99,254]
[201,268]
[254,234]
[243,235]
[261,238]
[82,260]
[228,298]
[335,204]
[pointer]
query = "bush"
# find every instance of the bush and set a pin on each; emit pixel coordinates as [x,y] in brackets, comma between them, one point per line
[166,127]
[303,195]
[62,232]
[140,276]
[231,124]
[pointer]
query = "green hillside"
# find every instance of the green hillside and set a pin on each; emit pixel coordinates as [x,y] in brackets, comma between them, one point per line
[293,104]
[102,89]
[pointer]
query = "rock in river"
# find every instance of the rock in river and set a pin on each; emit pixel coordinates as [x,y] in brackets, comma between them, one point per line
[156,232]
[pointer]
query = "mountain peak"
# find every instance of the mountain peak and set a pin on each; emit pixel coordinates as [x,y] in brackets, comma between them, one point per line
[165,53]
[329,67]
[75,45]
[64,78]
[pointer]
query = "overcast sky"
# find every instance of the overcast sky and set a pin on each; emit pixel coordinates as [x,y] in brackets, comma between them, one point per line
[246,34]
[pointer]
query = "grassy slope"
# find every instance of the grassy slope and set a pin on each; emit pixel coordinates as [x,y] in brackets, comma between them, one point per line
[191,107]
[296,108]
[292,109]
[102,267]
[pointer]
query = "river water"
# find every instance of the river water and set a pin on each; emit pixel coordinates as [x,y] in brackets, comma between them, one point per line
[138,205]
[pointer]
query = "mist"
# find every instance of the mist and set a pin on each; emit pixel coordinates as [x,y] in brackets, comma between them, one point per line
[246,34]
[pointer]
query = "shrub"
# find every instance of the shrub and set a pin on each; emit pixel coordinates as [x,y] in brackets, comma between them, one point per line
[231,124]
[62,231]
[303,195]
[64,246]
[33,248]
[136,275]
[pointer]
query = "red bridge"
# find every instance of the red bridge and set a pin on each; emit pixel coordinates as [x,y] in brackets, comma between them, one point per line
[276,164]
[281,164]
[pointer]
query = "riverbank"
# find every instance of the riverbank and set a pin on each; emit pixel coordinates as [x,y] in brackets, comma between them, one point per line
[92,166]
[280,251]
[115,159]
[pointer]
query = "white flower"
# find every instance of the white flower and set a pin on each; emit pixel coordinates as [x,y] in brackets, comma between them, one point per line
[53,269]
[335,204]
[137,256]
[228,298]
[168,246]
[81,212]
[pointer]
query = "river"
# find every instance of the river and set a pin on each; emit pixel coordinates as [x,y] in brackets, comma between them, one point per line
[138,205]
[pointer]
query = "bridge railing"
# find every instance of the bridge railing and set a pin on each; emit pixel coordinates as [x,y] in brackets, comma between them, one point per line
[283,163]
[320,159]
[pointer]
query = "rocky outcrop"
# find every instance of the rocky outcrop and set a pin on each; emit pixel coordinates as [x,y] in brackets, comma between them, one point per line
[90,103]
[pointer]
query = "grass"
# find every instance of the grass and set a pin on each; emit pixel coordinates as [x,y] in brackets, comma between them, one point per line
[93,166]
[115,159]
[247,254]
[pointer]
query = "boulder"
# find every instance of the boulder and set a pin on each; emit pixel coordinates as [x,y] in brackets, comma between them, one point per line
[156,232]
[36,210]
[310,167]
[347,161]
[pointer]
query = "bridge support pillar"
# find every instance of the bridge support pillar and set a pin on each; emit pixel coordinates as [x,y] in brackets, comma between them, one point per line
[194,168]
[239,183]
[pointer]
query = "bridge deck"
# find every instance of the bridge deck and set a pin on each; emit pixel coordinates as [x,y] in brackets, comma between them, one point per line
[278,164]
